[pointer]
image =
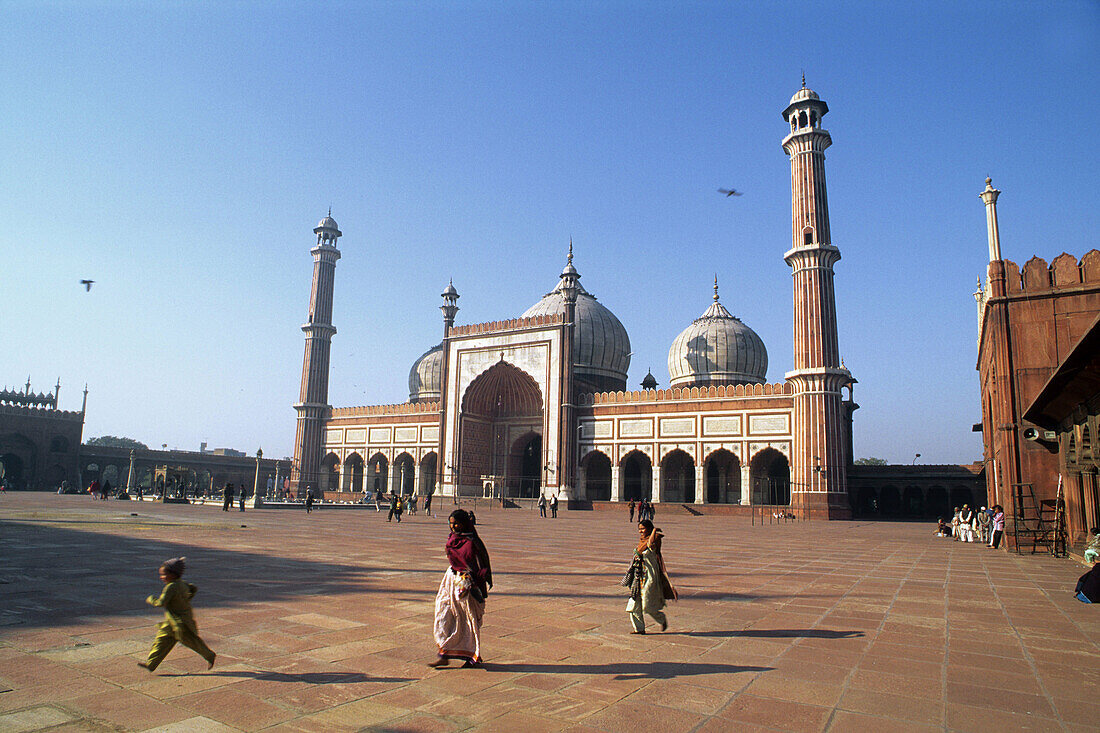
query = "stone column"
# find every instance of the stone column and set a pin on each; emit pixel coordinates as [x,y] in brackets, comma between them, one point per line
[616,484]
[655,488]
[257,500]
[746,486]
[700,484]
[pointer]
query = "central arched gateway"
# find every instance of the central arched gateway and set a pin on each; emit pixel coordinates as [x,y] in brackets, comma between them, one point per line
[500,432]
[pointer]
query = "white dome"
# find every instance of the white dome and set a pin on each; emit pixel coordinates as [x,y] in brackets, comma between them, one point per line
[327,223]
[717,349]
[426,376]
[601,350]
[804,94]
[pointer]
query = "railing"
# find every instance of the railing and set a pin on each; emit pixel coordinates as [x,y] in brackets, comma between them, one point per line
[778,514]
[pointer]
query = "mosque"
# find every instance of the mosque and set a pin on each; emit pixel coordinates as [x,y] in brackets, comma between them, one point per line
[538,404]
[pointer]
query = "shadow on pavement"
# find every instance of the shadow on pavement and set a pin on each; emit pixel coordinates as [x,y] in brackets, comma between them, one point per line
[313,678]
[775,633]
[44,565]
[627,670]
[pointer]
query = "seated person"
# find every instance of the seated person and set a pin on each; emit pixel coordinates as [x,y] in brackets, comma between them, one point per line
[1092,551]
[943,529]
[1088,586]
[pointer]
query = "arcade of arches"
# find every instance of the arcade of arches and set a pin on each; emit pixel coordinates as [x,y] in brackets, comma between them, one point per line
[404,476]
[719,480]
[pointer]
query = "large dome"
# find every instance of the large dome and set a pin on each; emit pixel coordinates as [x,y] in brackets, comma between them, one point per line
[601,350]
[717,349]
[426,376]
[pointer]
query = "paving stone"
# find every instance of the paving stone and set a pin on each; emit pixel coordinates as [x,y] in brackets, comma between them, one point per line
[325,624]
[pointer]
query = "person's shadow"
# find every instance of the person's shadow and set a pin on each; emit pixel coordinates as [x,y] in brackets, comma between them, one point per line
[626,670]
[312,678]
[775,634]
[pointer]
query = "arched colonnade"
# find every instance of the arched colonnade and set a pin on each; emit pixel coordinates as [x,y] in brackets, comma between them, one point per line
[720,479]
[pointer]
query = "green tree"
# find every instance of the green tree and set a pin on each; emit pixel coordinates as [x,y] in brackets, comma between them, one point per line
[870,461]
[110,441]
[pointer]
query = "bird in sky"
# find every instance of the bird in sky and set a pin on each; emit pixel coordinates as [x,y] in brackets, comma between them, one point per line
[87,285]
[729,192]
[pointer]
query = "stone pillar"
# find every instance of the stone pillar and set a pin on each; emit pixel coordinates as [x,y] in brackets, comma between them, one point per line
[655,488]
[700,484]
[616,484]
[746,486]
[257,499]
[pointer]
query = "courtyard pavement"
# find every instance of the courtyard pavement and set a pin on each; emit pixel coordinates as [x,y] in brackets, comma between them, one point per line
[323,622]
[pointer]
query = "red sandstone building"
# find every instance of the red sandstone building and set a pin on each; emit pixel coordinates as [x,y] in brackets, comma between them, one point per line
[1029,321]
[539,404]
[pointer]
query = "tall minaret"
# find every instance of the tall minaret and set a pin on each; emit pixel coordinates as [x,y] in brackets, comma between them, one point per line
[313,400]
[819,480]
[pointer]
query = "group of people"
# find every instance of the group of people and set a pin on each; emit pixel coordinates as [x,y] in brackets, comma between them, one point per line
[100,492]
[459,603]
[552,502]
[399,504]
[985,525]
[646,510]
[227,497]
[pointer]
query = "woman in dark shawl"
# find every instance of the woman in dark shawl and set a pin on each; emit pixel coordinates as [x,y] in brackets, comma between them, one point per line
[460,603]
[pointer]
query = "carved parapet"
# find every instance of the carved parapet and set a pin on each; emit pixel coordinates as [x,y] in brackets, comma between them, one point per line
[1064,271]
[404,408]
[687,393]
[511,324]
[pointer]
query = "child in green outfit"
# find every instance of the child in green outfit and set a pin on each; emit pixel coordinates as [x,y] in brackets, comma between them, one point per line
[179,623]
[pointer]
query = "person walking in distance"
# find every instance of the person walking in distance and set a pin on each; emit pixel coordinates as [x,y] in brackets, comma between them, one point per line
[428,505]
[227,497]
[309,499]
[553,506]
[542,505]
[631,506]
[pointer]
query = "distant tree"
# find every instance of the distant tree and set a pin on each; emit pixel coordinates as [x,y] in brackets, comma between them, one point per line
[110,441]
[870,461]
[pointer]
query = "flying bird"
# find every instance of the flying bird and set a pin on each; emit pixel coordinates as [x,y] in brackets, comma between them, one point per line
[87,285]
[729,192]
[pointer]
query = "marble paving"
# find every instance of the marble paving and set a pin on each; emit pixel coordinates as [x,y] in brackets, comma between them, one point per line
[323,623]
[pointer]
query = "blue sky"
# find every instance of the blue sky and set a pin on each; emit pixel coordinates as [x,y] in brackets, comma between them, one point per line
[180,157]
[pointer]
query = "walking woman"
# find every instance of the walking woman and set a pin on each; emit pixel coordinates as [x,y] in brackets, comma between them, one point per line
[460,603]
[647,579]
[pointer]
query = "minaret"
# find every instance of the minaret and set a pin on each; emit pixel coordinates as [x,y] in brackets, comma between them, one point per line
[819,459]
[450,310]
[313,401]
[567,440]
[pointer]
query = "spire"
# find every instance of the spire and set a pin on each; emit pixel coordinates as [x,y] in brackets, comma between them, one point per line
[28,384]
[569,260]
[716,287]
[803,78]
[989,197]
[84,405]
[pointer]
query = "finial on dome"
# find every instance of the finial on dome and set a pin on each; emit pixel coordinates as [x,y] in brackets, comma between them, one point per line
[803,78]
[716,287]
[988,181]
[330,205]
[570,258]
